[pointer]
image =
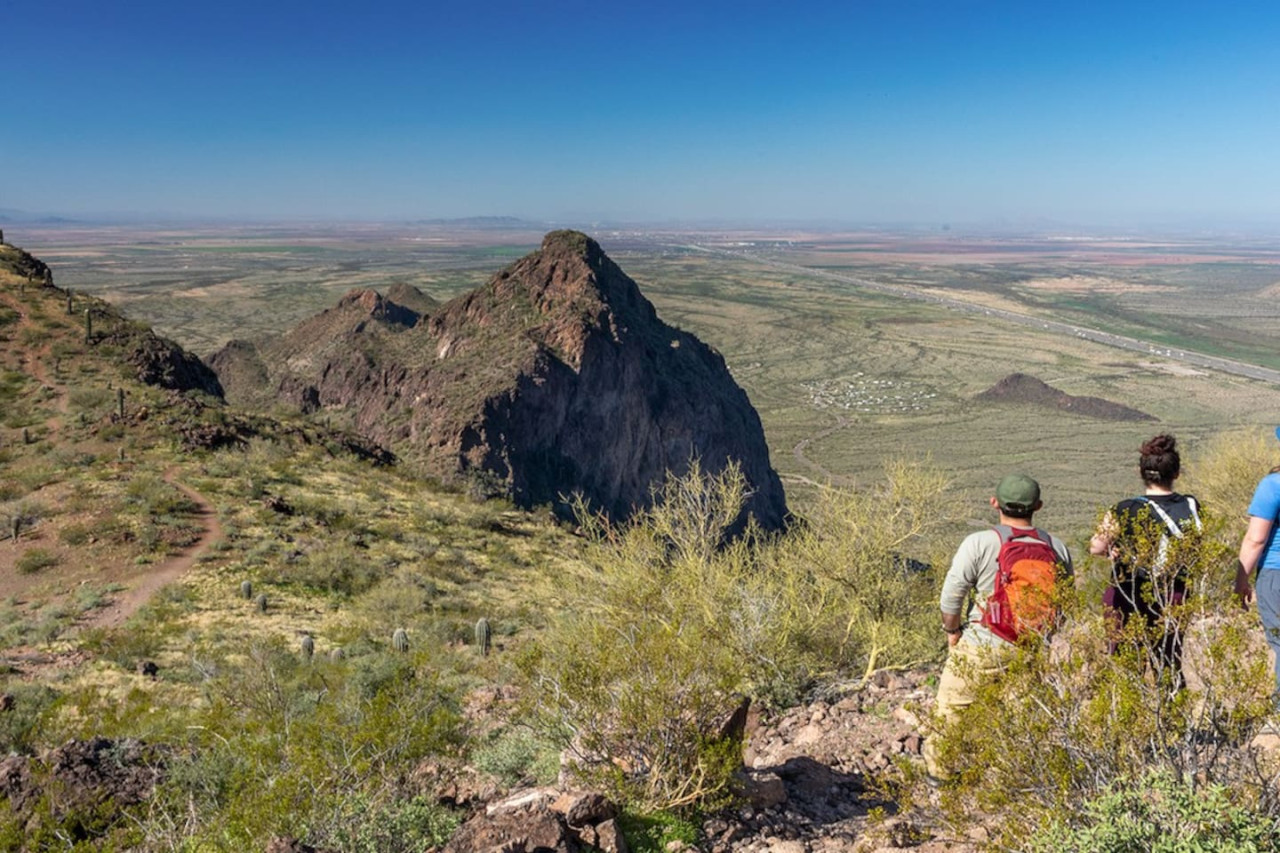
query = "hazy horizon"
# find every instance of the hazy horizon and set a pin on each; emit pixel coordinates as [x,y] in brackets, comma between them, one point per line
[1008,115]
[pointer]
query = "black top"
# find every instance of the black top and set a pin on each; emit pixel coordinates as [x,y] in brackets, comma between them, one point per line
[1139,529]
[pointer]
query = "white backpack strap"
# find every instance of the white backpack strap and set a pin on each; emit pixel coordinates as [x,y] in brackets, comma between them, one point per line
[1169,522]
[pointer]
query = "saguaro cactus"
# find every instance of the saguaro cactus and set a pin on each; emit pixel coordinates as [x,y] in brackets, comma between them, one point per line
[308,646]
[483,635]
[400,640]
[26,436]
[336,654]
[88,325]
[246,590]
[261,602]
[17,527]
[70,307]
[120,402]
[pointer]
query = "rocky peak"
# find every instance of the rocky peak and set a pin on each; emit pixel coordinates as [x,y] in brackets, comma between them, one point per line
[556,376]
[371,305]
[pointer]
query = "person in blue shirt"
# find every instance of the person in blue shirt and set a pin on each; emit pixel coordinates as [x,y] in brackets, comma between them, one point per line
[1260,552]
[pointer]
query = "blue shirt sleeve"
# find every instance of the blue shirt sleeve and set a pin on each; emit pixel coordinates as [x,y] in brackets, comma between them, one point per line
[1266,499]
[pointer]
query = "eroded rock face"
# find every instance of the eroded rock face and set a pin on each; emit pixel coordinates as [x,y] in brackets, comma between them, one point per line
[556,376]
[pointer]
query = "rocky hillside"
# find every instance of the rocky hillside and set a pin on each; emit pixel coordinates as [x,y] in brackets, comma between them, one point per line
[156,361]
[1021,388]
[556,376]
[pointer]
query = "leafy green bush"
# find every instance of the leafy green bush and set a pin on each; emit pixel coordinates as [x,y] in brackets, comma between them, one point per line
[517,755]
[674,623]
[34,560]
[1160,814]
[75,534]
[20,726]
[651,833]
[396,826]
[340,569]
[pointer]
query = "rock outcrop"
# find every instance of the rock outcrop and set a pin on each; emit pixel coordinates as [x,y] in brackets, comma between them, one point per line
[1021,388]
[556,376]
[26,265]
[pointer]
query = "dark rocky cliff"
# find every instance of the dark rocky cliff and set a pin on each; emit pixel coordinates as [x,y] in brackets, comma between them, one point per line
[556,376]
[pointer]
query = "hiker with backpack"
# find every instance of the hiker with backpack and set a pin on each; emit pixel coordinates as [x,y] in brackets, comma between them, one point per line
[1137,534]
[1258,574]
[1008,574]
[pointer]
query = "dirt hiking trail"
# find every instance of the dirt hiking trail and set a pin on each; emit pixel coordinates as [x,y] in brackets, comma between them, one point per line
[129,601]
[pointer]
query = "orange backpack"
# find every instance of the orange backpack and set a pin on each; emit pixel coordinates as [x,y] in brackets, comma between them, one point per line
[1022,601]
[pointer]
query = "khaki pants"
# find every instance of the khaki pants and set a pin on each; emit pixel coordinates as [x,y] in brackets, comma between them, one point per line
[968,667]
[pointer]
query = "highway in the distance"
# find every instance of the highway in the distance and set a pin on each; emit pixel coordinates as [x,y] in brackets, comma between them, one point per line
[1210,362]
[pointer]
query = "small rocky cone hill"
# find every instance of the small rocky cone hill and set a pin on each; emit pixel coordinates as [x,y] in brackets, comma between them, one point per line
[1021,388]
[556,376]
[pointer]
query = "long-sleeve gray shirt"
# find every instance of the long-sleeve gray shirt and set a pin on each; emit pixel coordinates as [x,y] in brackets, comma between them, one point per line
[973,571]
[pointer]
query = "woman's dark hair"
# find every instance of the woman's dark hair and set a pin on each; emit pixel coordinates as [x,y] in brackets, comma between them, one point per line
[1160,463]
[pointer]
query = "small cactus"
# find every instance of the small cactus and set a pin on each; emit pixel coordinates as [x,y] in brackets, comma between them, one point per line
[261,602]
[483,635]
[336,654]
[246,590]
[17,527]
[120,454]
[308,646]
[88,325]
[70,308]
[26,436]
[400,641]
[120,402]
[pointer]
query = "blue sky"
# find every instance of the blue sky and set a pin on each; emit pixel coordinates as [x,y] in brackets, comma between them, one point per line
[871,112]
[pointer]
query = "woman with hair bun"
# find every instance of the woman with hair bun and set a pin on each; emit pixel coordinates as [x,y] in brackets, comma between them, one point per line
[1136,534]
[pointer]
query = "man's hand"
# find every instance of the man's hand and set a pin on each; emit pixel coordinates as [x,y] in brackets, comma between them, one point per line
[952,639]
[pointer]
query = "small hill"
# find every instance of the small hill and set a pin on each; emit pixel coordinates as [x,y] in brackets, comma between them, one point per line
[278,369]
[1025,389]
[554,377]
[412,298]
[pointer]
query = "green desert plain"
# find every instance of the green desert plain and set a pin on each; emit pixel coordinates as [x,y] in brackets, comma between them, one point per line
[854,347]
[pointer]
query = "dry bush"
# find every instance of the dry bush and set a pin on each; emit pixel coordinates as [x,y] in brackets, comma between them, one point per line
[1224,473]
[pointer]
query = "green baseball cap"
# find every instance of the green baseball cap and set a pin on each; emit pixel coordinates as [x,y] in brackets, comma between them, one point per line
[1018,492]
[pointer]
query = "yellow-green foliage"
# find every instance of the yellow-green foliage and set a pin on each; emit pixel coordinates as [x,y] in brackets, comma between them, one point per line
[1224,473]
[866,556]
[674,622]
[274,745]
[1160,814]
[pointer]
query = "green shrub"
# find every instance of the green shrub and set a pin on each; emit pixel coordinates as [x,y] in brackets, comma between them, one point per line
[339,569]
[673,623]
[75,534]
[398,826]
[34,560]
[651,833]
[1160,814]
[518,755]
[20,726]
